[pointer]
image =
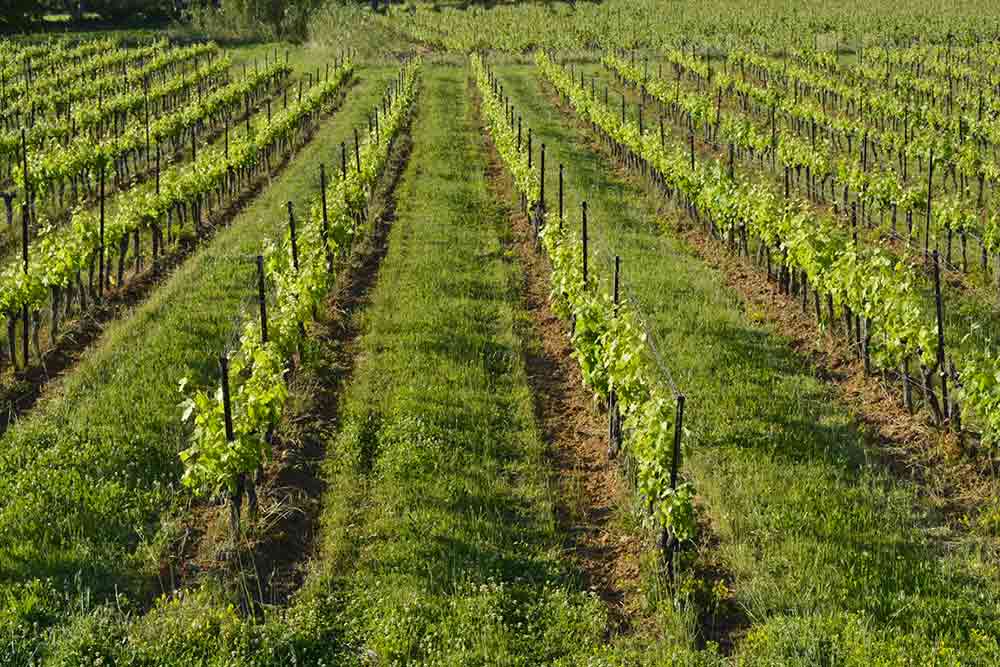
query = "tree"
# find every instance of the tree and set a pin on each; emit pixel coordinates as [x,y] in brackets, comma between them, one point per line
[17,13]
[286,19]
[117,10]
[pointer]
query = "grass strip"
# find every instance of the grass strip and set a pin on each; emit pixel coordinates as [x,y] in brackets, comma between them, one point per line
[834,560]
[440,543]
[89,476]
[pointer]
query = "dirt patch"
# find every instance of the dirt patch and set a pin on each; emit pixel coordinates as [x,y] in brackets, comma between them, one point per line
[590,488]
[269,563]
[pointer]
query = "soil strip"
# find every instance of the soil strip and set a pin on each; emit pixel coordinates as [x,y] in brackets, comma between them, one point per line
[268,564]
[591,490]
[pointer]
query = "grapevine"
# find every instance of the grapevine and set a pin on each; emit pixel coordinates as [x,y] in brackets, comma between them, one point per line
[212,464]
[609,346]
[59,256]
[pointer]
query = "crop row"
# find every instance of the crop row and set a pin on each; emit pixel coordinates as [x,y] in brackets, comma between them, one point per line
[609,339]
[233,425]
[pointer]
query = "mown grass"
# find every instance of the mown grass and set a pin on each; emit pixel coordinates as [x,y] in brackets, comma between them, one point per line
[439,541]
[439,526]
[834,561]
[87,477]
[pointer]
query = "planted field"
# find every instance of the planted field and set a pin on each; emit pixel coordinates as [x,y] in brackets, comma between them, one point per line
[533,334]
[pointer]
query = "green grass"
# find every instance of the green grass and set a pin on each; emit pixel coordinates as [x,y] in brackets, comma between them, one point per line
[835,561]
[439,541]
[441,505]
[87,476]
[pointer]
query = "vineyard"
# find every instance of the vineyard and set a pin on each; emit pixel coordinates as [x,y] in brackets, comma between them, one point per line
[528,334]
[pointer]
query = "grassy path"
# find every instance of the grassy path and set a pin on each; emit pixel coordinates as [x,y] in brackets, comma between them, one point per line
[440,544]
[830,560]
[86,478]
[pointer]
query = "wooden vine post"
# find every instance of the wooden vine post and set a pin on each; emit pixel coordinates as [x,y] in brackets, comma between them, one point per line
[854,223]
[560,197]
[325,233]
[293,236]
[939,308]
[930,181]
[672,543]
[529,149]
[236,496]
[357,151]
[100,264]
[155,224]
[584,236]
[614,416]
[24,163]
[262,299]
[145,92]
[540,208]
[26,320]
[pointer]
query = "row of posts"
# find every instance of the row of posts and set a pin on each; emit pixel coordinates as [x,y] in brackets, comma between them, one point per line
[236,498]
[945,412]
[667,542]
[103,269]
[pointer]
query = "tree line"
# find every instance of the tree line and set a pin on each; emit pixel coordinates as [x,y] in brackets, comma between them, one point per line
[16,13]
[283,18]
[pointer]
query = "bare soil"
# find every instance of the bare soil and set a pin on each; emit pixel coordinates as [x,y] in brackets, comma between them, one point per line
[591,490]
[268,564]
